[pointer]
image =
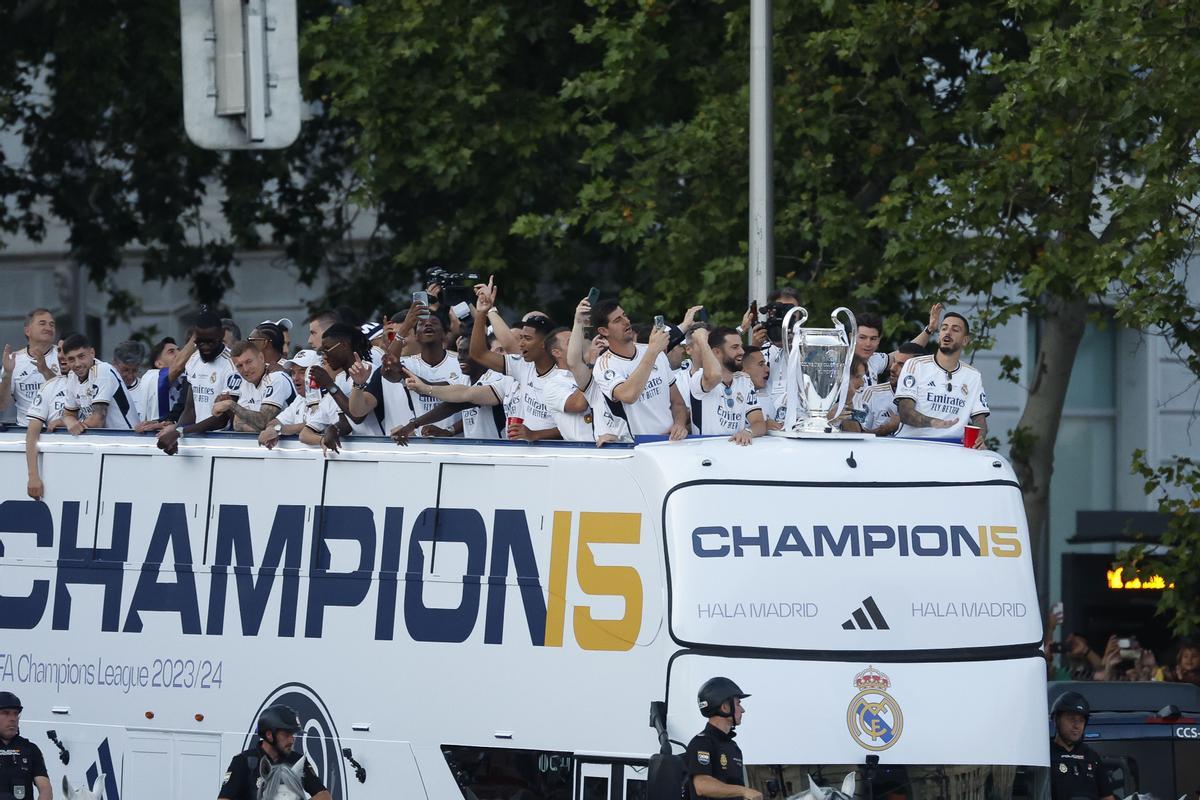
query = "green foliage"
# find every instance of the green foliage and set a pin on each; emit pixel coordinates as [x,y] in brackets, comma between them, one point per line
[1176,487]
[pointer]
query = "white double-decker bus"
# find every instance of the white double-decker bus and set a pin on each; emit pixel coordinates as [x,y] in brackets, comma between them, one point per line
[494,620]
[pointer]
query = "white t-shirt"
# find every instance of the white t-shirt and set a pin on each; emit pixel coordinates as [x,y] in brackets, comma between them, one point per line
[103,384]
[26,380]
[650,414]
[49,401]
[448,370]
[488,422]
[325,413]
[532,388]
[958,395]
[298,412]
[152,391]
[879,403]
[558,389]
[776,387]
[210,379]
[722,409]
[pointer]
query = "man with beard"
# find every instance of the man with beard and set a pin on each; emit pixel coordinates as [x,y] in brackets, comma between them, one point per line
[877,404]
[723,397]
[210,375]
[23,371]
[636,379]
[45,413]
[938,395]
[342,346]
[1076,770]
[22,765]
[260,395]
[96,396]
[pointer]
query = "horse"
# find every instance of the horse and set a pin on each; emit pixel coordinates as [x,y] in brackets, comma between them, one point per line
[282,781]
[816,792]
[95,793]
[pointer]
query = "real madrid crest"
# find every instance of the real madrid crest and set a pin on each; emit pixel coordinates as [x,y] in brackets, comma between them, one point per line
[874,717]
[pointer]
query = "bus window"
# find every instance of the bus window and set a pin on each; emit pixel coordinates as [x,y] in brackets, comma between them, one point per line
[495,773]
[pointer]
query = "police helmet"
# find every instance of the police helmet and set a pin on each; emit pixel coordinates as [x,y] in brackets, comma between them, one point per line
[9,700]
[279,718]
[1071,701]
[716,691]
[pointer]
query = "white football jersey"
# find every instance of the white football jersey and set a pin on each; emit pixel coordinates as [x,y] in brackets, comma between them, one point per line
[209,379]
[103,384]
[532,387]
[878,403]
[372,424]
[26,380]
[153,397]
[650,414]
[49,401]
[448,370]
[324,413]
[940,394]
[298,412]
[776,387]
[488,422]
[724,408]
[557,391]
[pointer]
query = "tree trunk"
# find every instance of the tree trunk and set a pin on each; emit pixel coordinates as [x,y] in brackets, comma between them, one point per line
[1062,324]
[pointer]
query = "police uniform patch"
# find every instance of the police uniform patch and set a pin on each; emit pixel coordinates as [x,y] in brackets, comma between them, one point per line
[225,780]
[1062,768]
[724,761]
[19,792]
[703,757]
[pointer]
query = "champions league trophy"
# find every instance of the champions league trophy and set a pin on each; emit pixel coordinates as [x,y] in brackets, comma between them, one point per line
[818,370]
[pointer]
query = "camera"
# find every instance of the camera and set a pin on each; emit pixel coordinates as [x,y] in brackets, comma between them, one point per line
[774,313]
[456,286]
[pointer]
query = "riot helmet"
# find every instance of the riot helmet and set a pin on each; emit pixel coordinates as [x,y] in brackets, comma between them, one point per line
[278,718]
[716,691]
[9,700]
[1071,701]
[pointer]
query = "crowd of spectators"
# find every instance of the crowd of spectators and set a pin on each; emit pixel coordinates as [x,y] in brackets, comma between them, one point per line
[463,370]
[1123,658]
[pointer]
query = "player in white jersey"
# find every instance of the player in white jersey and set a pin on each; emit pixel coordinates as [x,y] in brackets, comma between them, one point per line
[723,398]
[156,393]
[938,395]
[756,368]
[380,394]
[309,410]
[483,402]
[258,395]
[533,369]
[343,346]
[874,407]
[636,379]
[581,357]
[46,413]
[433,364]
[23,371]
[96,396]
[210,375]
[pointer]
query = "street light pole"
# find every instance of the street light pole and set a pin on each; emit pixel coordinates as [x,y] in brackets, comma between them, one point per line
[762,180]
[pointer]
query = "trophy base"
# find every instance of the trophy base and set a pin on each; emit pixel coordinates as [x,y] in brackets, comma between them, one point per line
[827,435]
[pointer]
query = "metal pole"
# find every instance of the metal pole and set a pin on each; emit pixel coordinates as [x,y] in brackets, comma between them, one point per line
[762,171]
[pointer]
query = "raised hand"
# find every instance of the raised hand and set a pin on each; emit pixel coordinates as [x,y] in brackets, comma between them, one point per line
[360,371]
[659,339]
[690,317]
[935,316]
[485,295]
[583,312]
[9,360]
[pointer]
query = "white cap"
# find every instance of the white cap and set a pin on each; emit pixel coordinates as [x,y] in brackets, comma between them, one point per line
[305,359]
[282,322]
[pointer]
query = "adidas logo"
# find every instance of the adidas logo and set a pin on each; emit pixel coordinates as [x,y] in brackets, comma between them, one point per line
[859,619]
[931,383]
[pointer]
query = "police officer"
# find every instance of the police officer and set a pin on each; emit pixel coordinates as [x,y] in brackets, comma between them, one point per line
[1075,769]
[21,764]
[713,761]
[277,729]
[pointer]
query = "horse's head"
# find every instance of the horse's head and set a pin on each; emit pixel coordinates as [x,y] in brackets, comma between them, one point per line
[95,793]
[282,781]
[818,792]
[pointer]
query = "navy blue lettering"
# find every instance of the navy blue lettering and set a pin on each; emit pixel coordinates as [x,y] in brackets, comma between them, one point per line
[902,538]
[234,549]
[171,530]
[389,574]
[698,543]
[960,536]
[463,525]
[26,516]
[790,541]
[510,538]
[824,537]
[346,589]
[877,537]
[923,548]
[764,546]
[88,565]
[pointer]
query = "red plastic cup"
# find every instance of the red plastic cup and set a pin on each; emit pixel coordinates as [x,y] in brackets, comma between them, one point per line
[971,435]
[515,421]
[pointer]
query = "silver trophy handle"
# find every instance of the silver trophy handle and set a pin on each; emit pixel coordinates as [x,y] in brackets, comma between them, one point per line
[849,356]
[787,324]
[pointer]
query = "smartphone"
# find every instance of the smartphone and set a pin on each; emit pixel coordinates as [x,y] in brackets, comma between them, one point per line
[702,315]
[421,297]
[754,311]
[1056,611]
[660,322]
[593,296]
[461,310]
